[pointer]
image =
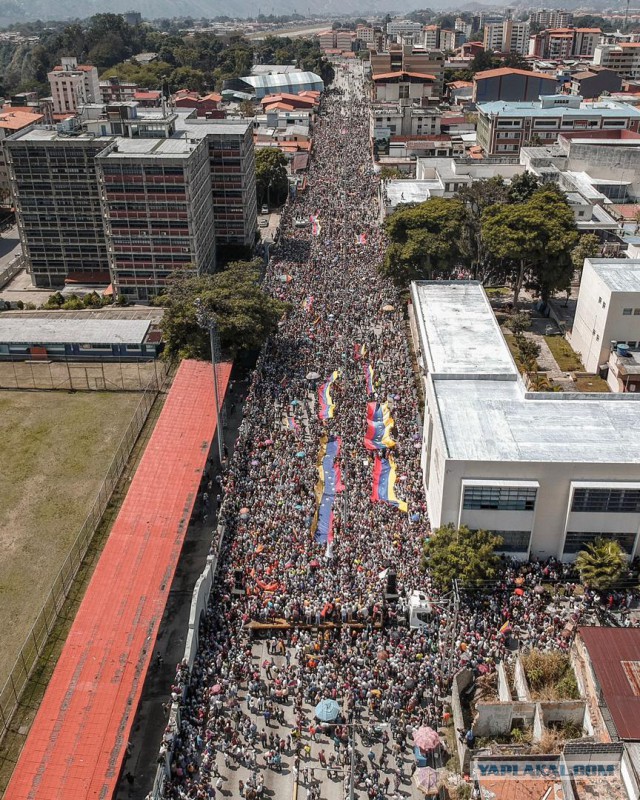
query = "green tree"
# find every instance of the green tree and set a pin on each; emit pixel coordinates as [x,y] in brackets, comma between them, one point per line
[188,78]
[247,108]
[469,556]
[588,247]
[424,241]
[272,185]
[601,564]
[522,187]
[534,239]
[245,314]
[485,60]
[518,322]
[478,196]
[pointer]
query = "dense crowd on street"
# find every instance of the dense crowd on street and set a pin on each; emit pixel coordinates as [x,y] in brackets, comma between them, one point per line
[272,567]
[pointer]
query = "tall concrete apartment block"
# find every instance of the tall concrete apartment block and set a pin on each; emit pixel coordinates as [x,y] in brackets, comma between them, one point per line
[55,191]
[233,178]
[158,212]
[73,85]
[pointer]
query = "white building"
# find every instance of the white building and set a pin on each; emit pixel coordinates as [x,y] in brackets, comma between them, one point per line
[73,85]
[507,37]
[549,472]
[623,58]
[608,311]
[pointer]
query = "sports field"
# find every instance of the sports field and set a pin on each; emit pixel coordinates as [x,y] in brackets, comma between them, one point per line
[55,449]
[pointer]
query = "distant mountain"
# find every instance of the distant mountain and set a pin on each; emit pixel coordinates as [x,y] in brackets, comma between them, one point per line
[28,10]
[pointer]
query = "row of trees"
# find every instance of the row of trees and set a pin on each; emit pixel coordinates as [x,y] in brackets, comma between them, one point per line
[470,557]
[523,234]
[199,62]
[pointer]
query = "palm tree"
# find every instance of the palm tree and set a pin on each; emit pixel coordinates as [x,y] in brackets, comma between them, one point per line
[601,564]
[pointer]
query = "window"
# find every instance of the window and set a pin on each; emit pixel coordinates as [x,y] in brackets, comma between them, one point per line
[599,300]
[499,498]
[578,540]
[636,312]
[514,541]
[632,345]
[626,312]
[626,501]
[604,305]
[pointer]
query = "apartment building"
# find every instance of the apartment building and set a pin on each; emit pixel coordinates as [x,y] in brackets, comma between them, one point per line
[158,212]
[13,120]
[73,85]
[233,177]
[345,40]
[553,18]
[411,59]
[113,90]
[431,37]
[403,27]
[623,58]
[407,87]
[465,28]
[57,201]
[505,127]
[449,39]
[565,43]
[507,37]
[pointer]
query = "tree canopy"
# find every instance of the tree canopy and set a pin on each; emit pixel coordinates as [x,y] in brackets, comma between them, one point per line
[534,240]
[244,313]
[601,564]
[425,241]
[478,196]
[459,553]
[272,184]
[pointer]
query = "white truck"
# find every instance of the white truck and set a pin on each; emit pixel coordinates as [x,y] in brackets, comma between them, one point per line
[416,610]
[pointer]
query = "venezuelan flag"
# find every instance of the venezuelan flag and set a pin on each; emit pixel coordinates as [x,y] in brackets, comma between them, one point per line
[506,628]
[384,480]
[329,484]
[379,426]
[293,425]
[315,225]
[368,377]
[325,400]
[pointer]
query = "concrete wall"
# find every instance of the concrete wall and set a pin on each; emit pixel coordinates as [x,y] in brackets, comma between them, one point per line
[460,682]
[504,690]
[520,682]
[565,712]
[497,719]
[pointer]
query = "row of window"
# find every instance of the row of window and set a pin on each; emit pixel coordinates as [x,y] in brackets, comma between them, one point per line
[578,540]
[627,312]
[625,501]
[499,498]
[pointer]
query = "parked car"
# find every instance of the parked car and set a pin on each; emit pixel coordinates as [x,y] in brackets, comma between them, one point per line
[264,209]
[264,223]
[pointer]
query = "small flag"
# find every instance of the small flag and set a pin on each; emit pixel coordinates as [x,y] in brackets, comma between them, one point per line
[293,425]
[506,628]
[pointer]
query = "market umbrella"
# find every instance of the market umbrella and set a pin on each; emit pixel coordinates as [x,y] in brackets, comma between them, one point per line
[244,513]
[388,307]
[426,779]
[327,710]
[314,564]
[426,739]
[312,376]
[519,592]
[300,454]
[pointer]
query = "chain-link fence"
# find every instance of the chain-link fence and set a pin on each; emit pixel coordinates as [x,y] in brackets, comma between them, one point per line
[48,615]
[79,376]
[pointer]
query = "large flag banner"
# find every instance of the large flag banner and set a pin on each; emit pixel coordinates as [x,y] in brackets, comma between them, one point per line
[307,303]
[329,484]
[384,481]
[368,378]
[379,426]
[293,425]
[325,400]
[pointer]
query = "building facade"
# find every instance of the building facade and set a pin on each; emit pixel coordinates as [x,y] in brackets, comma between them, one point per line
[553,18]
[512,85]
[57,201]
[73,85]
[158,212]
[113,90]
[608,310]
[503,128]
[592,83]
[507,37]
[623,58]
[499,458]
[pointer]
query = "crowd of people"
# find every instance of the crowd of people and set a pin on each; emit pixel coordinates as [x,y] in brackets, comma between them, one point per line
[336,638]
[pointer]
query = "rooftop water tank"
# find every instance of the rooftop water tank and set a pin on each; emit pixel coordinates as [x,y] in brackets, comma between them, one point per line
[622,349]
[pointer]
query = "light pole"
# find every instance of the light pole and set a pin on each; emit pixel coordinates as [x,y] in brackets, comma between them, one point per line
[207,321]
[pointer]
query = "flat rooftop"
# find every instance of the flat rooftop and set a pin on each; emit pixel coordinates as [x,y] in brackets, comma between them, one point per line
[488,420]
[177,146]
[458,330]
[619,275]
[534,109]
[42,134]
[485,412]
[39,330]
[409,191]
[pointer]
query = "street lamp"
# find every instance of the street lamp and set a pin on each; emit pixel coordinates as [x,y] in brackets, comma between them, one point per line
[207,321]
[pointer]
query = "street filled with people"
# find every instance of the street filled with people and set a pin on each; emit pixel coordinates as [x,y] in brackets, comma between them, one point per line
[316,530]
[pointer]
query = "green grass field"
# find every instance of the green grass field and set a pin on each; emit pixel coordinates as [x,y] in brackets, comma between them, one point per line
[566,357]
[55,449]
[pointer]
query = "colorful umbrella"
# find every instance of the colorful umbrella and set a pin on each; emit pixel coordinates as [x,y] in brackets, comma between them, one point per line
[426,779]
[426,739]
[519,592]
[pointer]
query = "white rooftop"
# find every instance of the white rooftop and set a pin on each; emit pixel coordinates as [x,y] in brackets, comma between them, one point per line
[30,330]
[619,274]
[497,421]
[485,412]
[407,191]
[459,332]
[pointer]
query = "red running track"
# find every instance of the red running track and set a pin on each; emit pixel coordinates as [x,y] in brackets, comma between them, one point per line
[77,742]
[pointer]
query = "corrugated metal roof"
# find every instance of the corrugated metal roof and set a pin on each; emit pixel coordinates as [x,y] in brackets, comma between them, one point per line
[290,82]
[615,656]
[21,330]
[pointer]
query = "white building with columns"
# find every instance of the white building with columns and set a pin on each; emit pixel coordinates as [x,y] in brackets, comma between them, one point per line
[549,472]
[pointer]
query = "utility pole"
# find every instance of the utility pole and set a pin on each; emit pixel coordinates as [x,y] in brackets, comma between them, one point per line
[207,321]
